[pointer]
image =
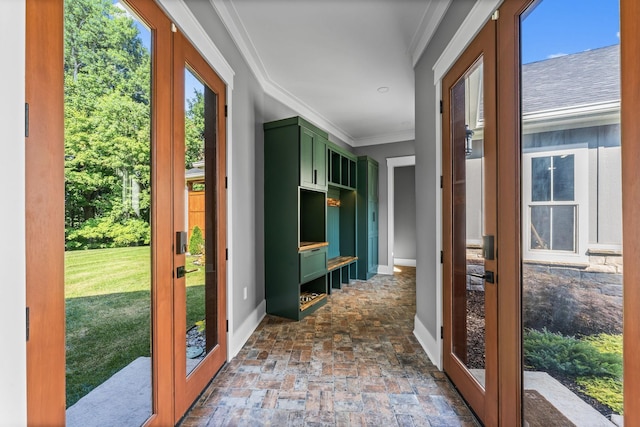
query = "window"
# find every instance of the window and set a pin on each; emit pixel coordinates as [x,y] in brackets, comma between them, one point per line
[555,203]
[553,208]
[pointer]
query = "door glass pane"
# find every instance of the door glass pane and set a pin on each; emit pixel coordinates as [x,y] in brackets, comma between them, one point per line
[571,213]
[107,214]
[468,211]
[200,176]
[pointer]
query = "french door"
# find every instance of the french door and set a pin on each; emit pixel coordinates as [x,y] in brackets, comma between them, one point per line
[200,346]
[186,298]
[469,226]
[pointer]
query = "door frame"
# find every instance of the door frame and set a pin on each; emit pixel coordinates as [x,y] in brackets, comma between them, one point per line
[44,191]
[510,376]
[189,386]
[483,400]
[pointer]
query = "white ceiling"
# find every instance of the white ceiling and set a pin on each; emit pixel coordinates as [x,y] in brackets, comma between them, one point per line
[326,59]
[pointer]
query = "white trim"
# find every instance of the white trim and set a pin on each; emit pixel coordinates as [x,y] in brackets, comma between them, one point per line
[430,20]
[247,328]
[385,269]
[178,11]
[392,164]
[430,345]
[13,360]
[437,349]
[479,14]
[231,258]
[406,262]
[403,135]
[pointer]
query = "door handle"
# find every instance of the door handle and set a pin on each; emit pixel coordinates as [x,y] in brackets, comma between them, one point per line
[488,276]
[182,271]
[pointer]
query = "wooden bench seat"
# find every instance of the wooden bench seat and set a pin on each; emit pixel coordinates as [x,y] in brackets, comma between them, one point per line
[340,261]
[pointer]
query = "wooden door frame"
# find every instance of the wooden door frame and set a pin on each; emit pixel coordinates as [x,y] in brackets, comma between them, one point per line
[509,149]
[188,387]
[44,207]
[483,401]
[630,130]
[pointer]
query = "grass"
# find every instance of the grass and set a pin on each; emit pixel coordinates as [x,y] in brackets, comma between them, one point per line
[108,309]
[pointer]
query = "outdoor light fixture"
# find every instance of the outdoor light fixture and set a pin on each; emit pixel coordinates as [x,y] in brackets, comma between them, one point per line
[468,146]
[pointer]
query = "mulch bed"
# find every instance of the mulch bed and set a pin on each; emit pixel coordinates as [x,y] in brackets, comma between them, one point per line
[476,348]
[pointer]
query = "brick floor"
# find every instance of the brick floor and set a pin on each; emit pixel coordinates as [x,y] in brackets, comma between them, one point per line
[355,362]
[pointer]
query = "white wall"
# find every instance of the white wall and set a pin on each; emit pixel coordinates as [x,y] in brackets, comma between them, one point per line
[13,371]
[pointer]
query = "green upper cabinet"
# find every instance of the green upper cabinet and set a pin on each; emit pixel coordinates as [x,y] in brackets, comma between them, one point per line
[313,160]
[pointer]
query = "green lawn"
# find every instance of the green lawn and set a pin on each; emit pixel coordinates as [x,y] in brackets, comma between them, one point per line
[107,294]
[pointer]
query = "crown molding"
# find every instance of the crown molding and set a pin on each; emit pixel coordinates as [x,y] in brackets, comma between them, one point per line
[428,26]
[231,20]
[400,136]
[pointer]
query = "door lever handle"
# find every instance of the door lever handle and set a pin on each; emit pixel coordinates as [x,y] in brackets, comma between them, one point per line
[181,271]
[488,276]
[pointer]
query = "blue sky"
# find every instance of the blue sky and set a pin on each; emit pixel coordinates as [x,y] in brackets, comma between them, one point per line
[556,27]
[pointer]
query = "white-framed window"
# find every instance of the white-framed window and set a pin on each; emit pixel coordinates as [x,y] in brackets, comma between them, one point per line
[555,205]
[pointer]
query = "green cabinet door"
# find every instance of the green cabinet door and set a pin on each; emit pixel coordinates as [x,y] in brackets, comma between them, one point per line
[313,160]
[367,217]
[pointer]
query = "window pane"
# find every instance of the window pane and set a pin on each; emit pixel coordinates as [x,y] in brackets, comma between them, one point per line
[563,228]
[563,184]
[541,179]
[540,226]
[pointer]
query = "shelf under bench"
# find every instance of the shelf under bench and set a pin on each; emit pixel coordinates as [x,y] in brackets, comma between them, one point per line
[340,270]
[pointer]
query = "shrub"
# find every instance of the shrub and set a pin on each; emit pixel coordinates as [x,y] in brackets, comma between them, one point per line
[555,353]
[606,343]
[196,243]
[607,391]
[106,233]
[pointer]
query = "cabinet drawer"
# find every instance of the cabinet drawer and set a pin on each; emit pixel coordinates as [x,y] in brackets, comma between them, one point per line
[313,263]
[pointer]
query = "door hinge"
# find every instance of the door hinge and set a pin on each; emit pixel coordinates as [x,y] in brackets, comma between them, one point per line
[226,182]
[226,254]
[26,120]
[441,332]
[174,29]
[495,15]
[226,110]
[441,257]
[441,107]
[227,325]
[27,325]
[441,182]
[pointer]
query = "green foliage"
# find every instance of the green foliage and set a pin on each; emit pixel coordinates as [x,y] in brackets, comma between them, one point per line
[107,127]
[196,243]
[194,129]
[555,353]
[607,391]
[105,233]
[606,343]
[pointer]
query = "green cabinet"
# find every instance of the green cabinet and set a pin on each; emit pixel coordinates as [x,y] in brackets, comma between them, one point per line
[295,215]
[313,160]
[367,217]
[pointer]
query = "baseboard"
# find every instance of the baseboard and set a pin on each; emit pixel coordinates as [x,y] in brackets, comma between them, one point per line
[406,262]
[242,334]
[385,269]
[430,345]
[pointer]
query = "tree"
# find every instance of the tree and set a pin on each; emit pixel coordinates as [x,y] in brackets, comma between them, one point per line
[107,127]
[194,129]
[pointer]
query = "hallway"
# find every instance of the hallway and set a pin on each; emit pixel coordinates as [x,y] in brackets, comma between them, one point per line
[355,362]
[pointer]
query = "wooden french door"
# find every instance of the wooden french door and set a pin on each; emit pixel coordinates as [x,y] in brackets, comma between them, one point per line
[199,102]
[172,388]
[470,225]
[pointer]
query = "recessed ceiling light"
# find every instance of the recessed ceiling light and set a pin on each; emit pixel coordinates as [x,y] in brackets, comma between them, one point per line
[383,89]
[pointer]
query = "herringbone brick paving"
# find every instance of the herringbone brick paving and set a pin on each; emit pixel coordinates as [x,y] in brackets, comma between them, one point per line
[355,362]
